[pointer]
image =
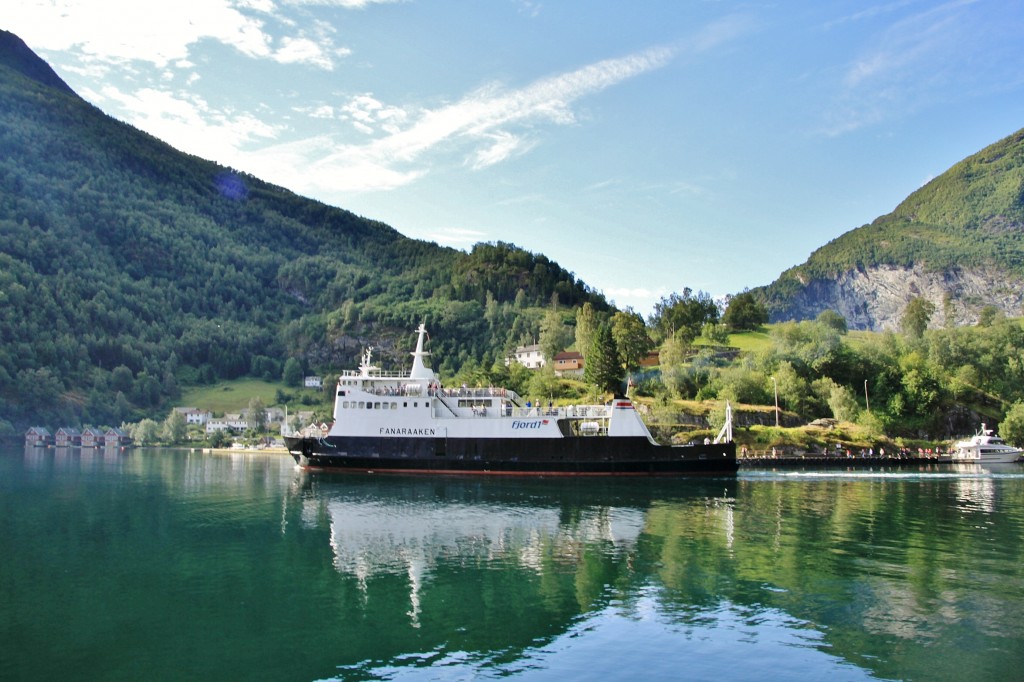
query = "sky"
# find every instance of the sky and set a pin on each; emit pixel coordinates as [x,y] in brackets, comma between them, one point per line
[646,146]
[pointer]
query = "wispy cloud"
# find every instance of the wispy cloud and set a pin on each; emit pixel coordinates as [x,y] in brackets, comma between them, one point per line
[906,46]
[189,122]
[915,58]
[687,188]
[638,298]
[348,4]
[530,8]
[504,144]
[454,236]
[870,12]
[485,127]
[383,146]
[164,33]
[635,292]
[724,30]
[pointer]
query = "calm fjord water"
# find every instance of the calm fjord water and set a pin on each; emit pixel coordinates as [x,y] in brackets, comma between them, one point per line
[175,565]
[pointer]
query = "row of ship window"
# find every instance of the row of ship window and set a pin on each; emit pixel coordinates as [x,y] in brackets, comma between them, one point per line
[365,405]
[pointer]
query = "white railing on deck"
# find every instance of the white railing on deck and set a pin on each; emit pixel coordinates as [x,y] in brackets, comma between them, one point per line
[412,389]
[375,374]
[570,412]
[490,392]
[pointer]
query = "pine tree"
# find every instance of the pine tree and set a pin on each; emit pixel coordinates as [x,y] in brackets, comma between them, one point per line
[602,366]
[586,325]
[554,335]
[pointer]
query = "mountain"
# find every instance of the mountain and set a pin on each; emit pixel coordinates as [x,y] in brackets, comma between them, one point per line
[128,268]
[18,57]
[957,242]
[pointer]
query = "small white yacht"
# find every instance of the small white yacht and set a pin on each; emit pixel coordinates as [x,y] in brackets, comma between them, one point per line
[985,447]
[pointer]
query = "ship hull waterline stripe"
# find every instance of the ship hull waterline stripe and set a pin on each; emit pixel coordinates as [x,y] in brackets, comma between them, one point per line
[711,473]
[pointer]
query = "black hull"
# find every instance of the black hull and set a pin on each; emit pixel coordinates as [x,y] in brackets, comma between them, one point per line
[583,456]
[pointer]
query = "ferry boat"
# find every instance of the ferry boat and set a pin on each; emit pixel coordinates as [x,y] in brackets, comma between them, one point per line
[409,423]
[985,447]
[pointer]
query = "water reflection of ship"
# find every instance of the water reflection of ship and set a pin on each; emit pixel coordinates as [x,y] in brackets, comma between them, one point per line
[414,528]
[976,486]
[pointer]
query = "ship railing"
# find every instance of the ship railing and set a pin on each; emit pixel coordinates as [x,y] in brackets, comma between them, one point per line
[374,374]
[465,392]
[406,388]
[397,391]
[564,412]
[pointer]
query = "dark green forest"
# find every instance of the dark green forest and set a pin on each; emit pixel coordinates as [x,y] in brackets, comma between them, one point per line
[129,269]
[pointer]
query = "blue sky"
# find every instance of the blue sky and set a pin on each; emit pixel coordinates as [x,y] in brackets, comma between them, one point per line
[646,146]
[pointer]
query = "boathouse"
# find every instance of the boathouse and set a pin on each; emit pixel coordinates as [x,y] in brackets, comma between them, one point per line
[67,437]
[38,436]
[116,438]
[92,438]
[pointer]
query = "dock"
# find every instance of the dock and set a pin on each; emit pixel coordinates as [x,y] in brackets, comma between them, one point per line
[840,461]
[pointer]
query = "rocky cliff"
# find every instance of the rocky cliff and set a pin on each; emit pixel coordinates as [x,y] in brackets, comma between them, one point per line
[875,298]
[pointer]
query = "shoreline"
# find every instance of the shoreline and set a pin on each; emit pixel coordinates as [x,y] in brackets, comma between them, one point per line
[840,461]
[126,448]
[246,451]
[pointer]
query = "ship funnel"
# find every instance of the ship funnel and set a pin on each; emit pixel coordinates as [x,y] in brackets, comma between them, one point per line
[419,369]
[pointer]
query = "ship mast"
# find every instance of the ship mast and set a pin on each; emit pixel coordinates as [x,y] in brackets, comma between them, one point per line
[419,369]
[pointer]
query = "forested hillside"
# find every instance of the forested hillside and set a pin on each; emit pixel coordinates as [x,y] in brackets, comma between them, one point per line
[128,268]
[958,242]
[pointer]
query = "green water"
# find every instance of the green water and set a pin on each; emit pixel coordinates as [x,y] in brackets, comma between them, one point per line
[174,565]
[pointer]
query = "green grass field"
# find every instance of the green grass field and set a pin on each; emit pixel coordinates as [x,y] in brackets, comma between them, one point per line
[232,396]
[750,342]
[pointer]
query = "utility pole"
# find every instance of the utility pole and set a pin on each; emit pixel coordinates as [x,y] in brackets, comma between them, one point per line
[867,404]
[776,385]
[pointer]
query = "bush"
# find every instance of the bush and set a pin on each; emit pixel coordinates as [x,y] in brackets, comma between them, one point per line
[1012,428]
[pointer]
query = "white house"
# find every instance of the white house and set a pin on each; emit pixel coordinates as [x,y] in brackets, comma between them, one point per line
[313,382]
[530,356]
[234,422]
[194,415]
